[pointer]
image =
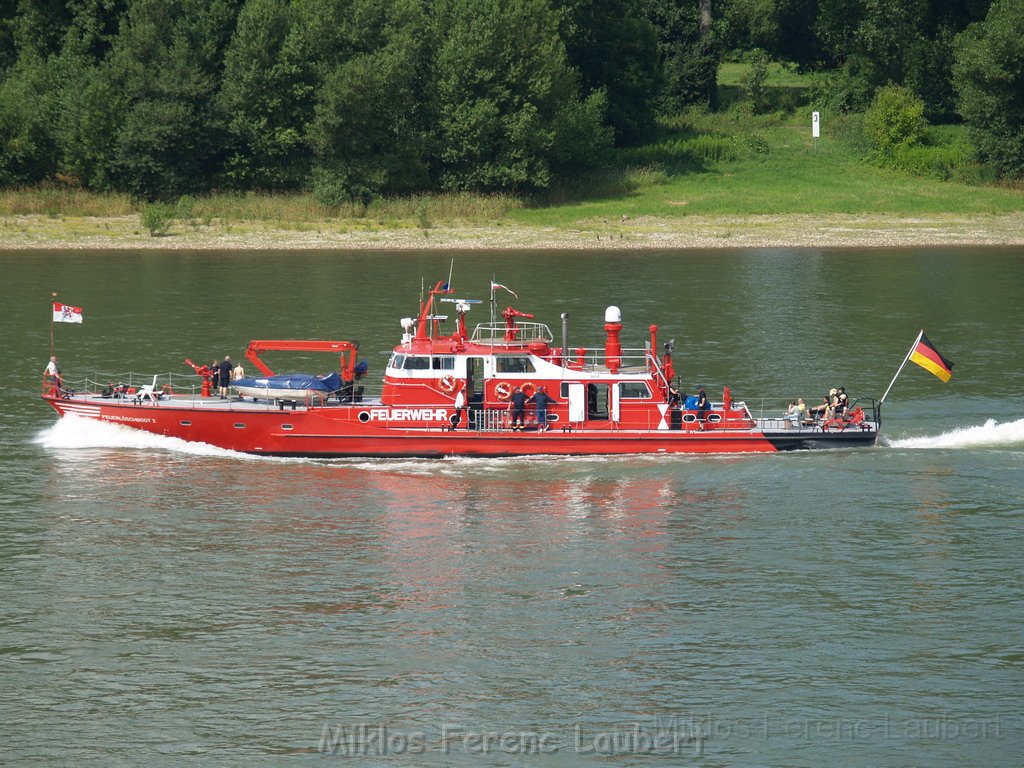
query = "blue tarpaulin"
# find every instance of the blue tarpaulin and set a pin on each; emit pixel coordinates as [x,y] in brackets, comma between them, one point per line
[297,381]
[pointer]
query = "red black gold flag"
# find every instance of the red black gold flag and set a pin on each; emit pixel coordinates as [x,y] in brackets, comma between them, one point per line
[927,356]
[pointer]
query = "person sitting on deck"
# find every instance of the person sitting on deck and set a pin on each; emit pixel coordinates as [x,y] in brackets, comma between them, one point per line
[360,370]
[792,416]
[818,411]
[842,403]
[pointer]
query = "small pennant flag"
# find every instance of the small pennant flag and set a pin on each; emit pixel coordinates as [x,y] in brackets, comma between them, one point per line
[503,287]
[64,313]
[927,356]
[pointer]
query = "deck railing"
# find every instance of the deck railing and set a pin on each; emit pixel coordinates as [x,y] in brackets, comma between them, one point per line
[494,333]
[180,386]
[772,413]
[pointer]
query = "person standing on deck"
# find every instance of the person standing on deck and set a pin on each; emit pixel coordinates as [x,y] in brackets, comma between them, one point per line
[703,406]
[675,405]
[541,399]
[460,403]
[224,373]
[517,405]
[53,374]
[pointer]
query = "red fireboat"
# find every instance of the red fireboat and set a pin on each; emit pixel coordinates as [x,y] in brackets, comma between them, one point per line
[462,394]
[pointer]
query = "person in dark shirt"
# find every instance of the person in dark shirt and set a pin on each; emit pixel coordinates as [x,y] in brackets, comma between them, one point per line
[703,406]
[517,405]
[224,374]
[541,399]
[215,376]
[675,404]
[842,402]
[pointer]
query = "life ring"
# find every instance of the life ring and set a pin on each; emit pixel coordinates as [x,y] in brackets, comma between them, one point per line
[529,386]
[503,390]
[167,389]
[447,384]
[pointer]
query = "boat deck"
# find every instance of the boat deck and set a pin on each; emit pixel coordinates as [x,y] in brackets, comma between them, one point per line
[233,403]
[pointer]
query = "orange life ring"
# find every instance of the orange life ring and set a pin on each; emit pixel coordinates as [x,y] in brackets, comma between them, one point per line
[447,384]
[167,389]
[503,390]
[529,385]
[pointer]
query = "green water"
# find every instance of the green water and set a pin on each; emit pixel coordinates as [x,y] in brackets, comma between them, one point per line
[166,604]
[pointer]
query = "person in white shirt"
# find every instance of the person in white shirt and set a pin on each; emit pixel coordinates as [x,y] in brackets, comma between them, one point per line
[460,403]
[52,373]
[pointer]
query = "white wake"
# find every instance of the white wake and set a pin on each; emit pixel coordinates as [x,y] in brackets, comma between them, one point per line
[988,435]
[75,432]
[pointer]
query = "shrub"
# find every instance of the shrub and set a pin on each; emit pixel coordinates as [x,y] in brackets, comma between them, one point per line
[423,215]
[942,163]
[895,119]
[754,82]
[157,218]
[186,207]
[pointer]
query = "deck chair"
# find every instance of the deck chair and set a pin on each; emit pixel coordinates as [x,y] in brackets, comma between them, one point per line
[148,390]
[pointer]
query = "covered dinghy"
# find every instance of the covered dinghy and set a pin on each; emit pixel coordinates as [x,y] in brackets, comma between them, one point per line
[291,386]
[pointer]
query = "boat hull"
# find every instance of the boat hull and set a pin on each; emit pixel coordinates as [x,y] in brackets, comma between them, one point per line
[345,431]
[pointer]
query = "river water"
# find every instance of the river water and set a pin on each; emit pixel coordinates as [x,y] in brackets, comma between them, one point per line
[167,604]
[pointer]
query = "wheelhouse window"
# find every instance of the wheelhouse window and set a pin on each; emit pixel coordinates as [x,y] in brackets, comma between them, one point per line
[509,364]
[446,363]
[416,363]
[396,361]
[634,390]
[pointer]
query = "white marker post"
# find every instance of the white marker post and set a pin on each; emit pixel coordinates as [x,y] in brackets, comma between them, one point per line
[815,127]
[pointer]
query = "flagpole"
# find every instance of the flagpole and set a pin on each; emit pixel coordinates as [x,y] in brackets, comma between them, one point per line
[51,323]
[909,353]
[494,305]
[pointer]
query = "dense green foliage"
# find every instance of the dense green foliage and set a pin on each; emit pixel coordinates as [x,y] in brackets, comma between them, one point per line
[989,76]
[358,99]
[895,119]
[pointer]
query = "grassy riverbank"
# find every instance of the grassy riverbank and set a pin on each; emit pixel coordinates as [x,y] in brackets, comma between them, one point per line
[724,179]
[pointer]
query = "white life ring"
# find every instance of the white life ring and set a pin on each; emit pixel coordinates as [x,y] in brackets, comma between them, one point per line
[447,384]
[503,391]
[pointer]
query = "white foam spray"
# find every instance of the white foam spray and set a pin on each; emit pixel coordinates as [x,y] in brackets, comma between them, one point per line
[76,432]
[988,435]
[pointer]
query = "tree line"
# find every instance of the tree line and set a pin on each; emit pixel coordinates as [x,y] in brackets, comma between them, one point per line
[353,99]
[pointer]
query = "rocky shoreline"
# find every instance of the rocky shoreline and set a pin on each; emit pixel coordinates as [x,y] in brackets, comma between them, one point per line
[646,233]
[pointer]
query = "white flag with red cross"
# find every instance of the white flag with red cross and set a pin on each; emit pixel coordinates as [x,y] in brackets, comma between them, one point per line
[65,313]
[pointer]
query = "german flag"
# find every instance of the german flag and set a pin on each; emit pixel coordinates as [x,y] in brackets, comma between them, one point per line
[927,356]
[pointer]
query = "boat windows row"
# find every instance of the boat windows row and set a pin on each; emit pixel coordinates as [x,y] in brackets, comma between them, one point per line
[502,363]
[628,390]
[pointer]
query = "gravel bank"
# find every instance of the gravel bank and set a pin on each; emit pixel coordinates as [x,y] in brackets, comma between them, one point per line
[770,231]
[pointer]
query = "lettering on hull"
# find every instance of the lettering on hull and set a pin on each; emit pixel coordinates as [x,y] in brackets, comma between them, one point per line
[129,419]
[404,414]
